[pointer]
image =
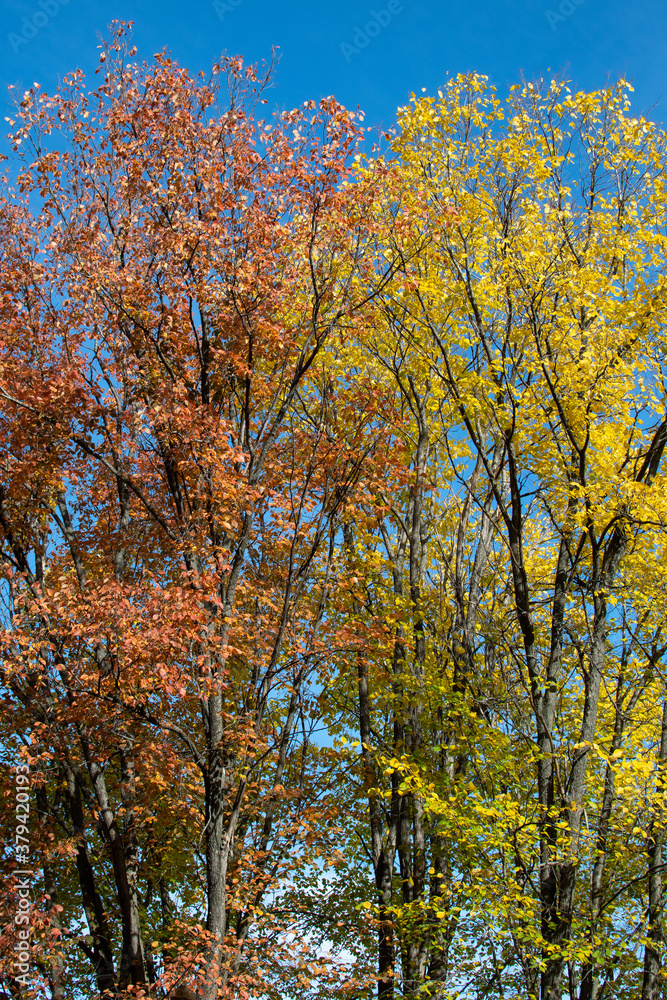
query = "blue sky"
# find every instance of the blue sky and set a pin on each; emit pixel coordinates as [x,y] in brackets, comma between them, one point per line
[368,53]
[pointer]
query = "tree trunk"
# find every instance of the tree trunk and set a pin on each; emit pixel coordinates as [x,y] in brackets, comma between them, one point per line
[652,982]
[98,925]
[57,965]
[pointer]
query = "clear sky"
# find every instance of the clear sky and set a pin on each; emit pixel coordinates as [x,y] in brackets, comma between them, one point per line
[367,53]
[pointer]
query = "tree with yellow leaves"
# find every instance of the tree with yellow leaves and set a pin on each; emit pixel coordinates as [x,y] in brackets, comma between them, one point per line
[511,719]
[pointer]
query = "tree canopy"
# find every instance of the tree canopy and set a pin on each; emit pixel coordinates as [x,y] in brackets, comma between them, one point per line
[333,524]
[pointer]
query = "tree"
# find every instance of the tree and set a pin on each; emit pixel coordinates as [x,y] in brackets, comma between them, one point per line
[510,721]
[176,463]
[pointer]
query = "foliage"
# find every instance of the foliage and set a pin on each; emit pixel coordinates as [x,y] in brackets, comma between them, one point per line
[333,541]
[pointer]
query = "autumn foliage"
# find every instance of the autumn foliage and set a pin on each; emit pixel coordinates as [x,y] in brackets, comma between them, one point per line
[332,524]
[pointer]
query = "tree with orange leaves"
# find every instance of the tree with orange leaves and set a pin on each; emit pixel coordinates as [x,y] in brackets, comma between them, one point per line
[176,463]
